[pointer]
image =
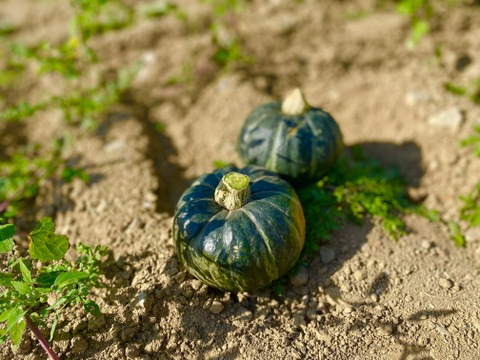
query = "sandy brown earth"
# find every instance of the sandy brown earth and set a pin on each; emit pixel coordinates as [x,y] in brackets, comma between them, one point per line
[364,296]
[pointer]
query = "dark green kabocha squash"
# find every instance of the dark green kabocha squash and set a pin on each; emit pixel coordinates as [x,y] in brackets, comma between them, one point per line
[292,138]
[239,229]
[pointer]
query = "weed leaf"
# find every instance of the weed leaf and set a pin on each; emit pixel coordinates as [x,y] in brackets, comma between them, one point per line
[47,279]
[92,307]
[21,287]
[45,245]
[6,279]
[6,238]
[15,324]
[69,277]
[456,234]
[16,332]
[26,274]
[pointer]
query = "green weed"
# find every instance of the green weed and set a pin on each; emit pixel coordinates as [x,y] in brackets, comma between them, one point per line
[470,90]
[228,46]
[218,164]
[470,210]
[163,8]
[420,12]
[6,28]
[357,187]
[28,285]
[23,173]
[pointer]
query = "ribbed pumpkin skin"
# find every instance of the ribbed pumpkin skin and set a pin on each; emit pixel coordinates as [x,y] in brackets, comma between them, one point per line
[299,147]
[243,249]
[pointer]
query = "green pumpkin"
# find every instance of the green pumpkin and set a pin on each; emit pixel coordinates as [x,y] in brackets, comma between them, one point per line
[293,139]
[239,229]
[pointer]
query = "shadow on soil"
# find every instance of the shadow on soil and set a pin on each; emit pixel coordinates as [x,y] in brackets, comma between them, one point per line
[406,157]
[161,151]
[163,154]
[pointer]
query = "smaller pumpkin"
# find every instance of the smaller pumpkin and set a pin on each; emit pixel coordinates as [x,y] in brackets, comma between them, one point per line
[292,138]
[239,229]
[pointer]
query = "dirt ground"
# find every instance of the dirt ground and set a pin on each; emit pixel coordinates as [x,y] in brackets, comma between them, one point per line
[364,296]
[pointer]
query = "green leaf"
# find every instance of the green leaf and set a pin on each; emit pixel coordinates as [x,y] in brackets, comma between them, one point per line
[45,245]
[70,173]
[15,324]
[218,164]
[420,29]
[64,300]
[46,279]
[92,307]
[69,277]
[455,234]
[16,332]
[21,287]
[12,316]
[26,274]
[54,325]
[6,314]
[6,279]
[6,238]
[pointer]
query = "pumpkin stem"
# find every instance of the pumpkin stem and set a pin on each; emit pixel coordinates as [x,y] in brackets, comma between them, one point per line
[233,191]
[295,103]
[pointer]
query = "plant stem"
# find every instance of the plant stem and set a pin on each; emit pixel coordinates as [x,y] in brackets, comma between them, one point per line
[4,205]
[233,191]
[41,339]
[295,103]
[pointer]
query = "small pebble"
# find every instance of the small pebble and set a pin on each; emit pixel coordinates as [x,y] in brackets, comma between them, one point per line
[274,304]
[414,98]
[358,275]
[298,320]
[451,118]
[154,347]
[142,296]
[311,313]
[300,278]
[327,254]
[445,283]
[348,310]
[114,146]
[131,351]
[243,314]
[423,341]
[180,276]
[425,244]
[196,284]
[473,234]
[129,332]
[187,291]
[216,307]
[386,329]
[79,345]
[96,323]
[368,340]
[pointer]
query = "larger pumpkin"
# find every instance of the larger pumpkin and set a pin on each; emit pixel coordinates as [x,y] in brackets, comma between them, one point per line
[292,138]
[239,229]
